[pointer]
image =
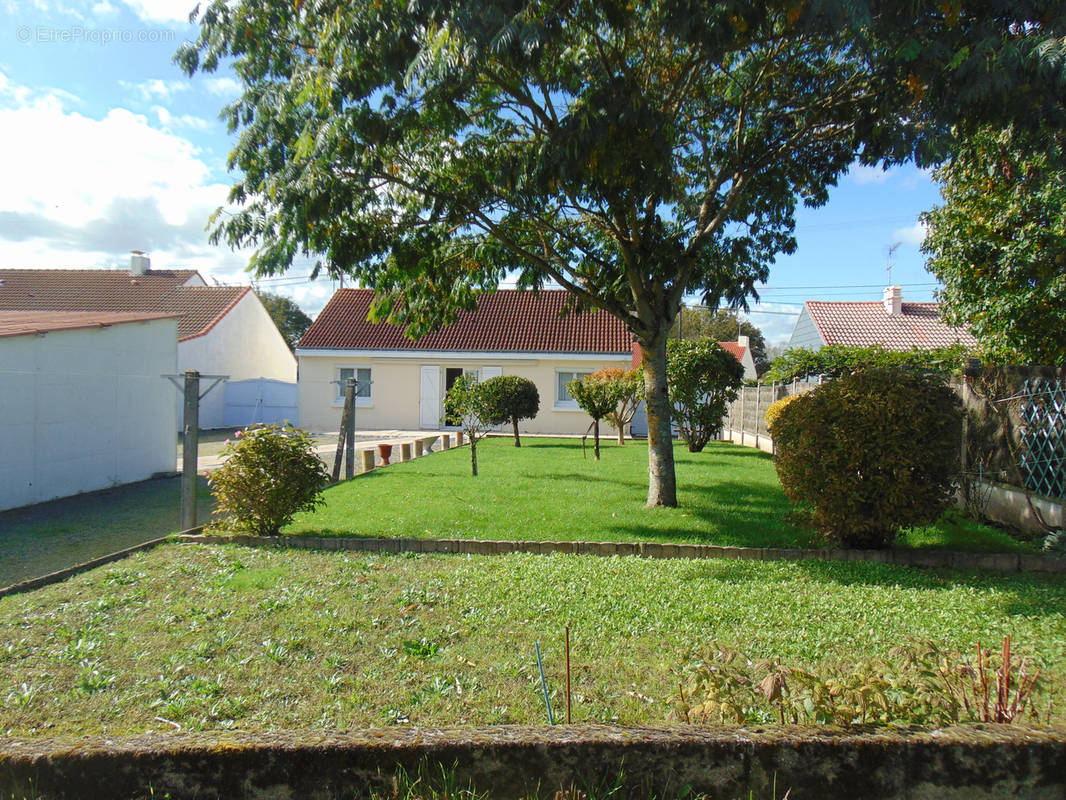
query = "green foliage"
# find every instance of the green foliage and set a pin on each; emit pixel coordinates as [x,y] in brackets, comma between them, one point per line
[630,385]
[998,243]
[270,473]
[775,409]
[1055,543]
[703,380]
[632,153]
[292,322]
[509,398]
[466,402]
[919,683]
[870,453]
[695,322]
[598,395]
[836,359]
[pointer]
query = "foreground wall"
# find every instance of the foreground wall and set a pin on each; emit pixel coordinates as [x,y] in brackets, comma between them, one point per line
[85,409]
[510,762]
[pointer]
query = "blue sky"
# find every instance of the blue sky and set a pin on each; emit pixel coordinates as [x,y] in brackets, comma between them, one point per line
[108,147]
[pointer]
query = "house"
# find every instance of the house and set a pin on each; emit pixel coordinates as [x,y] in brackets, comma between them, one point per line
[401,382]
[84,406]
[222,330]
[891,323]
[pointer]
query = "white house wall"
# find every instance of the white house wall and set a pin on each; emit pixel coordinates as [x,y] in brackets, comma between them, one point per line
[394,403]
[244,344]
[805,334]
[85,409]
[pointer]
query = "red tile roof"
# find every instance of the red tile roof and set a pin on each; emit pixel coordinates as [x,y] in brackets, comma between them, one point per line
[868,324]
[21,323]
[730,347]
[506,320]
[198,308]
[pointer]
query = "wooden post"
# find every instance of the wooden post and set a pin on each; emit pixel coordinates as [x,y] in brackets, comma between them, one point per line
[368,460]
[349,429]
[405,451]
[758,412]
[445,441]
[190,449]
[458,438]
[964,483]
[567,674]
[743,416]
[418,448]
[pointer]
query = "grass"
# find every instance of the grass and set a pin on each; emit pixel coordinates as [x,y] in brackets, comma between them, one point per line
[43,538]
[547,490]
[219,637]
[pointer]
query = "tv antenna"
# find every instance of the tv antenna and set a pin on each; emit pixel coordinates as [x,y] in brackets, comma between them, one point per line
[892,248]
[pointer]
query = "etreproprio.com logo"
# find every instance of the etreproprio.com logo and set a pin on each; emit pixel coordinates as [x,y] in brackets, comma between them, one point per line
[76,34]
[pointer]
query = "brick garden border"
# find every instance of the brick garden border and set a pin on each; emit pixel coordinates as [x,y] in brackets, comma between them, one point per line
[936,559]
[977,762]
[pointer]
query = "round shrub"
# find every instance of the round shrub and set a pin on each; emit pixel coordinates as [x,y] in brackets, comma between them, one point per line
[775,409]
[270,473]
[870,454]
[509,398]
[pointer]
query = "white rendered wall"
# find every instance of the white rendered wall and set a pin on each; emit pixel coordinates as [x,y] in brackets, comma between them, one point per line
[85,409]
[805,334]
[395,394]
[244,344]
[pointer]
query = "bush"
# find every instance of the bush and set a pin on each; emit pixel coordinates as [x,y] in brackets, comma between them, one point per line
[598,396]
[270,473]
[508,398]
[837,359]
[870,454]
[775,409]
[703,379]
[630,385]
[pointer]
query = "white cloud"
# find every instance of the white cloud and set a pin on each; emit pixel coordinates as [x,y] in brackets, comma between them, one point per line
[914,234]
[156,88]
[127,184]
[863,174]
[227,87]
[161,10]
[170,121]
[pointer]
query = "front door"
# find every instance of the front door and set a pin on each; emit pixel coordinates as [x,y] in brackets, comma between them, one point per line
[429,406]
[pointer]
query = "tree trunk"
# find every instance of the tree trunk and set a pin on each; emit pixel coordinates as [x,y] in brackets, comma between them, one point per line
[473,455]
[621,435]
[517,441]
[662,483]
[596,438]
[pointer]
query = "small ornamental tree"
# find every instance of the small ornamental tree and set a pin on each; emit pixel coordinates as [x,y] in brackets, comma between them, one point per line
[599,397]
[703,379]
[269,474]
[870,454]
[465,401]
[509,398]
[630,385]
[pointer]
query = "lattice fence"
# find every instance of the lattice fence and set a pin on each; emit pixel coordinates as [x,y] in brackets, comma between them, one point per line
[1042,436]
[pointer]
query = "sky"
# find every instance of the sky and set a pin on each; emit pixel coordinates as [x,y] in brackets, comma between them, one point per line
[108,147]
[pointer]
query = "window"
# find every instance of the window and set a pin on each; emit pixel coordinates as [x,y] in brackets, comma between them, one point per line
[362,385]
[562,397]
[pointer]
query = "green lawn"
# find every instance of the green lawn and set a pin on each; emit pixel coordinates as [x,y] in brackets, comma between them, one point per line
[216,637]
[43,538]
[547,490]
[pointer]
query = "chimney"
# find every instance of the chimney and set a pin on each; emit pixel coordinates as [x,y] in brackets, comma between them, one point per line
[743,341]
[893,300]
[139,262]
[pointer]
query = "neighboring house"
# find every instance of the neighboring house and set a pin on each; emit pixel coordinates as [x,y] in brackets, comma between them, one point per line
[402,382]
[893,324]
[222,330]
[84,406]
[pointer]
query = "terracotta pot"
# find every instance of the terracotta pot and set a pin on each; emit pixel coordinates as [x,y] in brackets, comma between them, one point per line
[385,451]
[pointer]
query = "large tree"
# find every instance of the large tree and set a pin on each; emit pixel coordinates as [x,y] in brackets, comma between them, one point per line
[291,320]
[633,153]
[696,322]
[998,243]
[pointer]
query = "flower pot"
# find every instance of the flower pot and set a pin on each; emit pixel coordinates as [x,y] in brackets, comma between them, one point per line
[385,451]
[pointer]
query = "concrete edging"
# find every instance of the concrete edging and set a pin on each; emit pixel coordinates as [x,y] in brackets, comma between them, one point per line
[941,559]
[979,761]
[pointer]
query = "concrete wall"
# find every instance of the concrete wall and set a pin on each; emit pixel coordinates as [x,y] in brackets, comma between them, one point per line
[972,762]
[805,334]
[244,344]
[85,409]
[395,394]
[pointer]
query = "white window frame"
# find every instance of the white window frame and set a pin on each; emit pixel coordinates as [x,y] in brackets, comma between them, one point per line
[360,402]
[570,404]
